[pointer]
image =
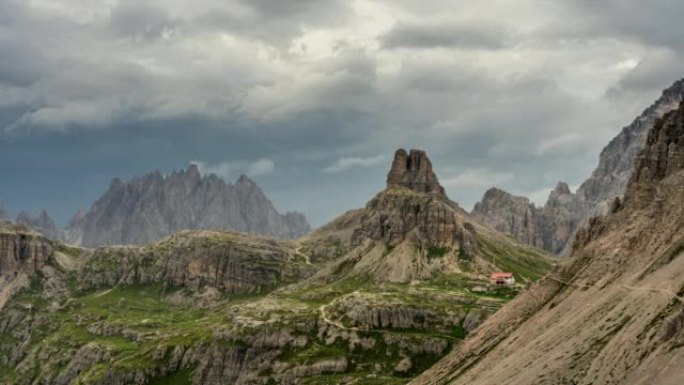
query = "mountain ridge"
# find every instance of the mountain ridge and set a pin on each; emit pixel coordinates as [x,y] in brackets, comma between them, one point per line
[611,315]
[566,211]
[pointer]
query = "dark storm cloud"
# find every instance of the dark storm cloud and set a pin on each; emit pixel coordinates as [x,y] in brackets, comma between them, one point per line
[652,73]
[472,35]
[321,92]
[656,22]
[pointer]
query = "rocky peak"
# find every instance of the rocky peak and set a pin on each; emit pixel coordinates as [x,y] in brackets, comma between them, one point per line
[419,211]
[151,207]
[565,212]
[413,170]
[42,223]
[561,188]
[193,172]
[508,214]
[662,156]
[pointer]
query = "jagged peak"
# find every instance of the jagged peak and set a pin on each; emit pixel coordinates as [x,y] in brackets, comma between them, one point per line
[562,188]
[244,179]
[413,170]
[662,156]
[494,192]
[193,171]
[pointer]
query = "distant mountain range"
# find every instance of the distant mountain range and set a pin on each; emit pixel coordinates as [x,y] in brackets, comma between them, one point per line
[148,208]
[553,226]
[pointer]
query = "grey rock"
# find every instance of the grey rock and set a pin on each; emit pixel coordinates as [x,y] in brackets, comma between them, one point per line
[149,208]
[509,214]
[565,212]
[413,171]
[42,223]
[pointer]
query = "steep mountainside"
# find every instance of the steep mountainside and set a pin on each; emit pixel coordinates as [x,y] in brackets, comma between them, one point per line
[615,314]
[149,208]
[509,214]
[565,211]
[375,297]
[411,230]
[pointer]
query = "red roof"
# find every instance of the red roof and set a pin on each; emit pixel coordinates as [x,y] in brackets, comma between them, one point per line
[501,275]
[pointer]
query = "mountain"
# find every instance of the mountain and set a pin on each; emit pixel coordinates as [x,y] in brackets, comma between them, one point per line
[151,207]
[42,223]
[376,297]
[412,230]
[565,212]
[509,214]
[614,314]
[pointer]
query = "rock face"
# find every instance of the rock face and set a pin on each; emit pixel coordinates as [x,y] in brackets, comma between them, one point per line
[414,172]
[510,215]
[197,261]
[149,208]
[614,314]
[565,211]
[412,230]
[22,250]
[23,253]
[413,200]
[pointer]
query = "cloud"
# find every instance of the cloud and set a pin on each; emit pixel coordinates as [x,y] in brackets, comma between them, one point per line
[473,34]
[229,171]
[477,178]
[490,89]
[261,167]
[344,164]
[650,74]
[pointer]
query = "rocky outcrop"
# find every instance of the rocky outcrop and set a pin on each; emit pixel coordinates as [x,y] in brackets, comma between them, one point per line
[414,207]
[412,230]
[22,250]
[662,157]
[197,261]
[509,214]
[565,212]
[611,316]
[414,172]
[395,216]
[149,208]
[23,254]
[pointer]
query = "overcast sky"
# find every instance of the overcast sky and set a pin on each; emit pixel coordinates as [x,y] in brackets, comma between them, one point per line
[312,97]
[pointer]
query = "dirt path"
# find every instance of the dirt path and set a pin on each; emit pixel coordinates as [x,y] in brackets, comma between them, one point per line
[307,259]
[327,320]
[652,290]
[11,287]
[103,293]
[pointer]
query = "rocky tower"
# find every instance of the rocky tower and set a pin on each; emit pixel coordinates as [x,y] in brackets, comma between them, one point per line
[414,171]
[149,208]
[509,214]
[614,314]
[565,211]
[413,231]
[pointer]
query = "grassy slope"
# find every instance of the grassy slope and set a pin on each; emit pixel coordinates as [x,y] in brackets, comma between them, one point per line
[141,319]
[144,320]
